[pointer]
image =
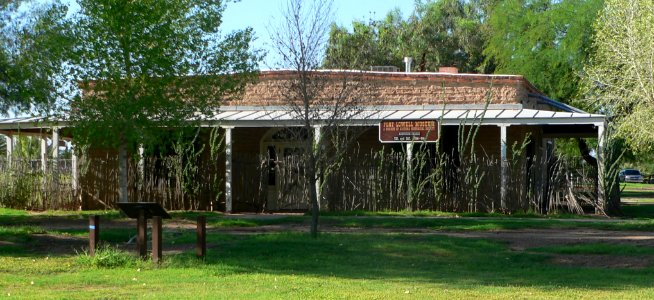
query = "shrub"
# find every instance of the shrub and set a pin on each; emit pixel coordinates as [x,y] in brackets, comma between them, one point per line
[107,256]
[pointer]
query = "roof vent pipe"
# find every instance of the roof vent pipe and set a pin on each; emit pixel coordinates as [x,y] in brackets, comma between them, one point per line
[407,64]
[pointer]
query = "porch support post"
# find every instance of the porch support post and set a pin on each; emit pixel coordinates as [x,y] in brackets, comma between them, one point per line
[409,174]
[55,148]
[73,167]
[44,155]
[544,178]
[228,169]
[141,166]
[317,135]
[504,166]
[10,148]
[601,197]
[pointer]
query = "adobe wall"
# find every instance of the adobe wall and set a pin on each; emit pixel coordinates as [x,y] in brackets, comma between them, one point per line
[273,87]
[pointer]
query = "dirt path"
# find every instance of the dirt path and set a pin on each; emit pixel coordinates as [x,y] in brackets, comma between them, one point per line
[518,240]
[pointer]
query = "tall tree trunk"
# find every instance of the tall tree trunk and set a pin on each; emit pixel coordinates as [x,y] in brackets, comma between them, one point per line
[122,172]
[585,152]
[313,195]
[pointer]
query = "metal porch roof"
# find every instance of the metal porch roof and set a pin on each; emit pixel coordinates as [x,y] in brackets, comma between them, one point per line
[251,116]
[450,115]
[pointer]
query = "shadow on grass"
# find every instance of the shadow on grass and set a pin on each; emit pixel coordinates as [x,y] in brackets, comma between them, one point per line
[430,213]
[31,241]
[485,224]
[458,262]
[414,257]
[21,217]
[643,211]
[217,219]
[648,195]
[598,248]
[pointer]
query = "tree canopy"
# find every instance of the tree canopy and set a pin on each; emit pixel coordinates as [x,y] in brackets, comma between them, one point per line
[32,49]
[146,65]
[620,75]
[150,64]
[546,41]
[438,33]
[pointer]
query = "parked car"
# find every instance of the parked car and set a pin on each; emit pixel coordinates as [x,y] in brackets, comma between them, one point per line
[631,175]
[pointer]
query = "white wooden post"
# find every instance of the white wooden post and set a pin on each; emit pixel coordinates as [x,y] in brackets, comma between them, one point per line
[228,169]
[503,166]
[409,174]
[10,148]
[317,135]
[141,162]
[544,178]
[74,166]
[55,149]
[601,197]
[44,155]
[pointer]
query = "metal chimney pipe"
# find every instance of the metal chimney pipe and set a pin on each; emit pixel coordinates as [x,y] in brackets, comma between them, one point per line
[407,64]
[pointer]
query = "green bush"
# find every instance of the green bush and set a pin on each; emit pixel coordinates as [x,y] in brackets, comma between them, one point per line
[109,257]
[18,190]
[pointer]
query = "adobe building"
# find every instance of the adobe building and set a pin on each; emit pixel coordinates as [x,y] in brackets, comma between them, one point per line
[505,109]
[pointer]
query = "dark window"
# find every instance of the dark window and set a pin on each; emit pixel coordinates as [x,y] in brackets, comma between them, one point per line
[291,134]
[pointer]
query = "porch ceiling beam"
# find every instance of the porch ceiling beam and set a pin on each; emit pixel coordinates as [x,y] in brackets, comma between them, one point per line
[582,135]
[43,134]
[6,125]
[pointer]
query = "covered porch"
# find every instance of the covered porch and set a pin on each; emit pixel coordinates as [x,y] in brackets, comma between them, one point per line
[248,132]
[500,125]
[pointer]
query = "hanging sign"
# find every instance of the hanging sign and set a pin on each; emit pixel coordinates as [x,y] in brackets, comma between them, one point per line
[408,131]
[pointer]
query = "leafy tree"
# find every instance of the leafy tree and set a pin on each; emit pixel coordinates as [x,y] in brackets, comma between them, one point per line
[445,33]
[620,75]
[438,33]
[546,41]
[146,65]
[32,48]
[27,147]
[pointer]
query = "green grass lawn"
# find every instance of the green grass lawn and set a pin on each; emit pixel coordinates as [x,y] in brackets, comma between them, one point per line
[639,218]
[637,192]
[292,265]
[598,248]
[282,265]
[636,219]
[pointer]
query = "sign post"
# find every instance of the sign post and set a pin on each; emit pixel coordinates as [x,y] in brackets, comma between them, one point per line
[142,211]
[94,233]
[401,131]
[409,132]
[201,231]
[141,234]
[156,239]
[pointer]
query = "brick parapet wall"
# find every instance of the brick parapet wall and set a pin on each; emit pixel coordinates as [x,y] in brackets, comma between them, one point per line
[273,87]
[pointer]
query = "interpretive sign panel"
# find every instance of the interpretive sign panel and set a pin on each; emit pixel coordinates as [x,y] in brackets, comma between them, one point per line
[150,209]
[400,131]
